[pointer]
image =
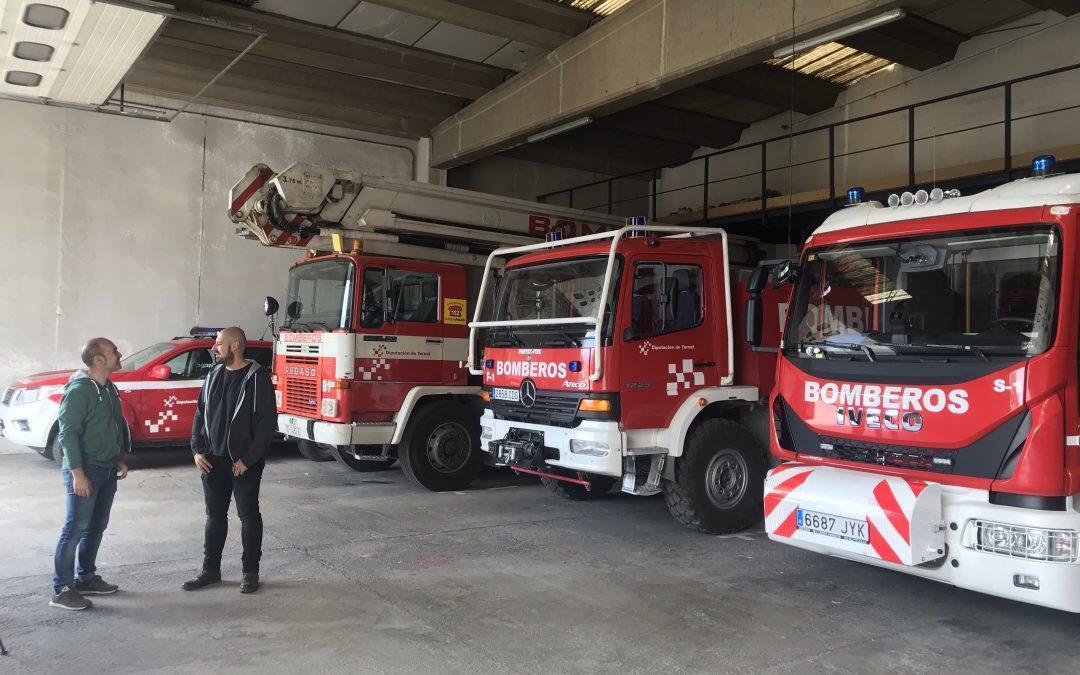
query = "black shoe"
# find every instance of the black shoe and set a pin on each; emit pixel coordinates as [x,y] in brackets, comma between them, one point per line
[94,585]
[202,581]
[250,584]
[68,598]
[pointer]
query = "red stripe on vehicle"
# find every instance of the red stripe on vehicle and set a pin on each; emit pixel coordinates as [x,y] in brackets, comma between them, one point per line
[880,546]
[887,501]
[785,466]
[264,175]
[787,528]
[917,486]
[778,493]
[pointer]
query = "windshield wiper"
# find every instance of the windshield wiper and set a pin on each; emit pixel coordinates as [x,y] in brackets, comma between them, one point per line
[855,347]
[570,340]
[951,349]
[506,339]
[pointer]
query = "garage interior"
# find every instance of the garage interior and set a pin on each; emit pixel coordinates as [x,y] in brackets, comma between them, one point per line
[126,123]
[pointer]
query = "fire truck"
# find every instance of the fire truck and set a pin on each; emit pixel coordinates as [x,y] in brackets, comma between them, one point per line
[369,365]
[925,412]
[611,359]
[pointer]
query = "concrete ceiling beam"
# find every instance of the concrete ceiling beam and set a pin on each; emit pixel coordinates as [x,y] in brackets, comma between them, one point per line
[912,41]
[1063,7]
[675,124]
[779,88]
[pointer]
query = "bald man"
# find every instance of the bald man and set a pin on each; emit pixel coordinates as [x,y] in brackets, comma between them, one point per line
[234,421]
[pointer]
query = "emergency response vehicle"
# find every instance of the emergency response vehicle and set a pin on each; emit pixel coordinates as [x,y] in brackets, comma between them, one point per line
[926,402]
[159,387]
[369,365]
[610,358]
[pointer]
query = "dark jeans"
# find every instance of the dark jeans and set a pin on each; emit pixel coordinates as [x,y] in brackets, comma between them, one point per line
[218,487]
[87,518]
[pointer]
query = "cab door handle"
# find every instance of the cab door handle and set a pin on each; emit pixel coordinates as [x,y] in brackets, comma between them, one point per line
[704,364]
[434,341]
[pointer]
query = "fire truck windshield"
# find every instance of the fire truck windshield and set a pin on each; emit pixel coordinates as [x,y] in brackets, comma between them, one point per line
[320,295]
[970,295]
[554,290]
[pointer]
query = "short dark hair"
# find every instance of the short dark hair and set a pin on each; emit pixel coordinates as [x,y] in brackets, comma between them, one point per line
[94,347]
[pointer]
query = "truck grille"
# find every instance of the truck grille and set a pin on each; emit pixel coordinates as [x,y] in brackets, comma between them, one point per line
[303,349]
[880,454]
[302,393]
[8,394]
[559,411]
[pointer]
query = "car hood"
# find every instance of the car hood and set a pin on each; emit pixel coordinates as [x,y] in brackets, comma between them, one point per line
[61,377]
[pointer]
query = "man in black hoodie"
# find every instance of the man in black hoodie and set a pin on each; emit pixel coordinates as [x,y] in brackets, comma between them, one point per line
[234,421]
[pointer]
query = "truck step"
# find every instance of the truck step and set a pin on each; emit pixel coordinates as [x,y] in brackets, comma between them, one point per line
[632,481]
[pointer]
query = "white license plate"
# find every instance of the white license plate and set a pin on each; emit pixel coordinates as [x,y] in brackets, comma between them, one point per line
[293,428]
[502,394]
[829,525]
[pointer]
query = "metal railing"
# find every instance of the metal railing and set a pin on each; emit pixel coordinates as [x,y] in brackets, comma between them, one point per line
[653,176]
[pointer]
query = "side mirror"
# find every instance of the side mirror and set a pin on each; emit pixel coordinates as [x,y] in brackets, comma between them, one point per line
[160,372]
[270,306]
[758,279]
[294,309]
[787,272]
[753,320]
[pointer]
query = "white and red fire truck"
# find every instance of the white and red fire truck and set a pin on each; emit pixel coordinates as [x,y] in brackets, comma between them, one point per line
[926,402]
[611,357]
[370,362]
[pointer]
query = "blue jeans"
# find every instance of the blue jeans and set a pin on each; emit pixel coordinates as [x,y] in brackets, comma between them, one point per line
[87,518]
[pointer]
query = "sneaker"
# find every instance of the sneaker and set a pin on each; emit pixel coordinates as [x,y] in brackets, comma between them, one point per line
[202,581]
[95,585]
[68,598]
[250,584]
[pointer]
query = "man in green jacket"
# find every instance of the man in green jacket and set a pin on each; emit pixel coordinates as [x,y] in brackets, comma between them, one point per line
[94,437]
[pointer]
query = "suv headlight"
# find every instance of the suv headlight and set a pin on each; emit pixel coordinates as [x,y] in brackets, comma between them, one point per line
[35,394]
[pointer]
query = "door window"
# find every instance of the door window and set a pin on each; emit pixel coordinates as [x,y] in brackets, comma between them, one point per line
[665,299]
[415,296]
[371,304]
[193,364]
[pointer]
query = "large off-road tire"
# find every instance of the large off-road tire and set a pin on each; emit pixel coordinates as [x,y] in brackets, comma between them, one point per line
[316,452]
[441,447]
[601,485]
[719,480]
[343,455]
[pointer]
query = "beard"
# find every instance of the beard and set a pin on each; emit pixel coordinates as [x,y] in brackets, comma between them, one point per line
[226,360]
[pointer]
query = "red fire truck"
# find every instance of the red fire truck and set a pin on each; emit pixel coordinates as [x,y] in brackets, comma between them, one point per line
[370,363]
[926,402]
[611,358]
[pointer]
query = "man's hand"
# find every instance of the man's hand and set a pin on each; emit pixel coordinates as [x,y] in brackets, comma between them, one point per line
[238,468]
[202,463]
[81,484]
[121,468]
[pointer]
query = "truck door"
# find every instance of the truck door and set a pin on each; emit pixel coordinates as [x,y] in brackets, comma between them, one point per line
[668,349]
[400,341]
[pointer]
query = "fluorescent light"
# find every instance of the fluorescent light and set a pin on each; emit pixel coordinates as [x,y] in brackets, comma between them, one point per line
[840,33]
[562,128]
[94,44]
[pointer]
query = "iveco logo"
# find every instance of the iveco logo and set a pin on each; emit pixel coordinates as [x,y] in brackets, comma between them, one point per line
[528,393]
[876,418]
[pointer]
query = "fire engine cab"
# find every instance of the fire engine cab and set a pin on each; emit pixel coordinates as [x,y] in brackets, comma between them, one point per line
[926,402]
[610,358]
[369,365]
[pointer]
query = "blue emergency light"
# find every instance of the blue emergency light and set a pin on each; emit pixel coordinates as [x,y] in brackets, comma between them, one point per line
[489,364]
[636,221]
[555,235]
[204,331]
[575,366]
[1043,165]
[855,196]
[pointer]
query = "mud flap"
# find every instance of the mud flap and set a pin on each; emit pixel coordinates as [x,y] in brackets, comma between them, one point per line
[855,512]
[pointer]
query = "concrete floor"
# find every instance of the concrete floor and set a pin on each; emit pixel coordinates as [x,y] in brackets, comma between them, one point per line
[366,572]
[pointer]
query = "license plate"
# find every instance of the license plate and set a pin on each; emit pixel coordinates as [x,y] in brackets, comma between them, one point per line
[293,428]
[502,394]
[829,525]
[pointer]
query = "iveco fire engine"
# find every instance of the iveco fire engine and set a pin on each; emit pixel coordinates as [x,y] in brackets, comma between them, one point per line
[611,358]
[370,363]
[925,409]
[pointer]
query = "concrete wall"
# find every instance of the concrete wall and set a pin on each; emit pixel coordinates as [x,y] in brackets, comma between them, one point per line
[518,178]
[117,226]
[1006,54]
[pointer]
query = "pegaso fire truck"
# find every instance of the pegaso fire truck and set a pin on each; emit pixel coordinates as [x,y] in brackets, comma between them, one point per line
[610,358]
[369,365]
[925,409]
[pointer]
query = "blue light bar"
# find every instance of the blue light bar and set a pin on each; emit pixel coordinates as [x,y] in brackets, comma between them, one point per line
[555,235]
[635,221]
[855,195]
[1043,165]
[204,331]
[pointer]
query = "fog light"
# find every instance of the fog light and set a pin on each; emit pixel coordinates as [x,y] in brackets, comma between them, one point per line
[1030,543]
[23,425]
[329,407]
[485,434]
[590,448]
[277,399]
[1029,581]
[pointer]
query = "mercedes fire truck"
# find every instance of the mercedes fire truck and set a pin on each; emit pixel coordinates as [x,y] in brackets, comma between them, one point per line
[369,365]
[610,358]
[926,402]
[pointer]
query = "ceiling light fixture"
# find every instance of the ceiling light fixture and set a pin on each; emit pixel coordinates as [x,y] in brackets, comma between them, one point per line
[561,129]
[840,33]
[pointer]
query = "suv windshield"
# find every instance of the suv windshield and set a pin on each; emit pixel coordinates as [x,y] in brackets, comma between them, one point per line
[553,290]
[145,356]
[972,295]
[320,295]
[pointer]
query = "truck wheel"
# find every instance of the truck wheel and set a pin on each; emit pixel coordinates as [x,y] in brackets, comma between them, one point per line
[316,452]
[343,455]
[53,450]
[441,447]
[719,480]
[601,485]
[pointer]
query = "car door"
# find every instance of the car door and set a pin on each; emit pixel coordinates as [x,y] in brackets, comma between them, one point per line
[168,406]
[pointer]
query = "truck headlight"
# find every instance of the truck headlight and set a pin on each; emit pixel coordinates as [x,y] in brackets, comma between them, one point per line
[1017,541]
[590,448]
[277,399]
[329,407]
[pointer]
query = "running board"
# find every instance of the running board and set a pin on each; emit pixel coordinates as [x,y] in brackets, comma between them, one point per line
[631,482]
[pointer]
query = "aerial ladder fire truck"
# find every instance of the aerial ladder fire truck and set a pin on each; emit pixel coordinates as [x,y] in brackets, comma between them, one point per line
[369,364]
[610,359]
[926,405]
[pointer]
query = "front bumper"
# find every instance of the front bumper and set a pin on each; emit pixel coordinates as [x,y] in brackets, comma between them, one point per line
[29,424]
[962,565]
[335,433]
[494,432]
